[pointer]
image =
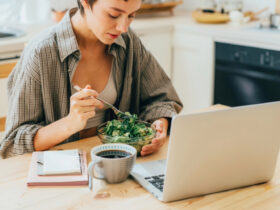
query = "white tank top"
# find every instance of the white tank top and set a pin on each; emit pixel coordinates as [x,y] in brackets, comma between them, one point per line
[109,94]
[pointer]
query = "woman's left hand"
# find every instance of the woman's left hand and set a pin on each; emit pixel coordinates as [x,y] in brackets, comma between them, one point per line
[161,126]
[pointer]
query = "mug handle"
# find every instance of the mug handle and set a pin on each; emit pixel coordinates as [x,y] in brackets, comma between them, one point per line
[91,167]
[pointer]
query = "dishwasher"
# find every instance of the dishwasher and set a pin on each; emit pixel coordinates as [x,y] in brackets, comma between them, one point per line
[245,75]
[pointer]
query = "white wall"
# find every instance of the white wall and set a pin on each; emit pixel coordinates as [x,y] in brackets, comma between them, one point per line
[190,4]
[31,11]
[255,5]
[35,11]
[252,5]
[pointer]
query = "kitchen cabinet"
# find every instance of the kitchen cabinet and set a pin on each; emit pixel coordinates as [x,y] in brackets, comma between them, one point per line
[193,70]
[158,42]
[5,70]
[2,124]
[3,104]
[4,97]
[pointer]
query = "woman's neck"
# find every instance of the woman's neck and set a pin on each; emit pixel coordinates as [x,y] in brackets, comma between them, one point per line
[85,37]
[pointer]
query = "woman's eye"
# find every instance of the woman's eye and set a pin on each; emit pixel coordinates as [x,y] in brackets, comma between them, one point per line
[113,16]
[132,16]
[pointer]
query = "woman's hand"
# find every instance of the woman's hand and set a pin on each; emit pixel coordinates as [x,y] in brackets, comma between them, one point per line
[161,126]
[82,107]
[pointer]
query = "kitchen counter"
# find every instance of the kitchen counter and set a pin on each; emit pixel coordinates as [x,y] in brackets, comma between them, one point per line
[246,34]
[11,47]
[15,194]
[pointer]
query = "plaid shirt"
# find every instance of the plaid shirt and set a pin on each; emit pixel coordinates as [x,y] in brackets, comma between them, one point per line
[39,87]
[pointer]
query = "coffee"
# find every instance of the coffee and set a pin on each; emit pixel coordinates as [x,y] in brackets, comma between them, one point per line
[113,154]
[112,162]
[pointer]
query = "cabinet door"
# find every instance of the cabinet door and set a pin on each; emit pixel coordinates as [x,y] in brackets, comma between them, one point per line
[5,70]
[158,42]
[4,97]
[193,69]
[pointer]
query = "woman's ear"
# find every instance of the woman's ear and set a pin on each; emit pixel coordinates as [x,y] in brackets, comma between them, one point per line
[85,3]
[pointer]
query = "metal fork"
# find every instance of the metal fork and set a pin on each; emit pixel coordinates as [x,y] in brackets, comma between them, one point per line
[116,111]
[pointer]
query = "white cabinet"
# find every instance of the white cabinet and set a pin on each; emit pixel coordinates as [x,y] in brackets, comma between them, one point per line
[158,42]
[193,70]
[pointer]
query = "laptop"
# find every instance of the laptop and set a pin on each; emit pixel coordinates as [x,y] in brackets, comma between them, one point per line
[215,151]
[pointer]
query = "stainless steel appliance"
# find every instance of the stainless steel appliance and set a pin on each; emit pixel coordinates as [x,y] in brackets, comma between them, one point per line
[270,22]
[275,21]
[246,75]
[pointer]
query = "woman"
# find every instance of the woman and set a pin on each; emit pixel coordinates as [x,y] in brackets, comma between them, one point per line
[92,47]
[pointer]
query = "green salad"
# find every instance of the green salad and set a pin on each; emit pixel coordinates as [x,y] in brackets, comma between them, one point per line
[126,128]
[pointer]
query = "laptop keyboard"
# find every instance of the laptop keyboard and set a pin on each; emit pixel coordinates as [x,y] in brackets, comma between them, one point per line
[157,181]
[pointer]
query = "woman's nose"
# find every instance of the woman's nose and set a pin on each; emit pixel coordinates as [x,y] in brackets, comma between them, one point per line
[122,25]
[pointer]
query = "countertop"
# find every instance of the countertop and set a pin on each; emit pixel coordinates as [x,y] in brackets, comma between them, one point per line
[246,34]
[10,47]
[15,194]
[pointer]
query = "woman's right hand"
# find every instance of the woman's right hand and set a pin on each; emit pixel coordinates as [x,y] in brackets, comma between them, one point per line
[82,107]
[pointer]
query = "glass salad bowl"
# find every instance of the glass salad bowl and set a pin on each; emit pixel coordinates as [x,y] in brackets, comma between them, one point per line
[136,134]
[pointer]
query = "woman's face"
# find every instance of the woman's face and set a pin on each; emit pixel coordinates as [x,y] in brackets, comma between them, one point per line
[107,19]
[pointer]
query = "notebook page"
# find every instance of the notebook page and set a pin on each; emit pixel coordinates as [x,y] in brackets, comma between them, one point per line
[61,162]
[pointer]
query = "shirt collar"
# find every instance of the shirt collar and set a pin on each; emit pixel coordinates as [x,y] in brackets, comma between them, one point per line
[120,41]
[67,42]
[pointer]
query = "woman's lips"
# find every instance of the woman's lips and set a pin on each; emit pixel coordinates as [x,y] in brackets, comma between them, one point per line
[113,36]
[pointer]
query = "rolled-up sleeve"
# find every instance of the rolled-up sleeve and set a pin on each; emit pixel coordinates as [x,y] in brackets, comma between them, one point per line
[158,96]
[25,112]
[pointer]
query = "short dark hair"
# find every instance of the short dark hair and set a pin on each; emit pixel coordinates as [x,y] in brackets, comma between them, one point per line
[80,6]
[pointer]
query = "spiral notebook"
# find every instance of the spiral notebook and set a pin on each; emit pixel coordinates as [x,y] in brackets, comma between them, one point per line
[53,168]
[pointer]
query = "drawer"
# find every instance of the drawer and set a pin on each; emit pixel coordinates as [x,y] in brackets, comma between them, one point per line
[2,124]
[6,68]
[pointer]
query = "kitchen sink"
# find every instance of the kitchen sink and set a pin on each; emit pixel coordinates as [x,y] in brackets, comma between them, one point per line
[8,32]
